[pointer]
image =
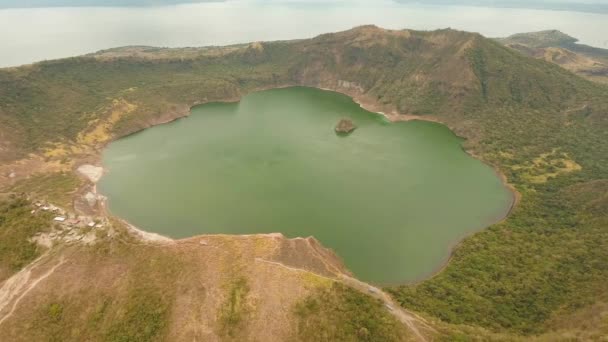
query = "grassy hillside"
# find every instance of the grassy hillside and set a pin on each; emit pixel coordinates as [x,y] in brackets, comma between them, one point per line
[540,39]
[228,289]
[327,315]
[542,126]
[554,38]
[17,226]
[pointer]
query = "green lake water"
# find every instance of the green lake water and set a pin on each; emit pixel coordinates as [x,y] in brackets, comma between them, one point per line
[390,199]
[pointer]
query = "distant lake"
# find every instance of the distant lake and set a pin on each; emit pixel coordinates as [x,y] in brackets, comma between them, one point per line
[390,199]
[29,35]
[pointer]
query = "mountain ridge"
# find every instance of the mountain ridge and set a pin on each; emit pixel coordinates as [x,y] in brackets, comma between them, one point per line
[563,50]
[529,118]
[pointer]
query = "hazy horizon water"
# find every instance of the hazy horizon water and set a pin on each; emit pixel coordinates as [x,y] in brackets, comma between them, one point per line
[35,34]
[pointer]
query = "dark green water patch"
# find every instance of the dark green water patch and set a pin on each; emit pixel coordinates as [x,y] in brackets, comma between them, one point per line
[389,198]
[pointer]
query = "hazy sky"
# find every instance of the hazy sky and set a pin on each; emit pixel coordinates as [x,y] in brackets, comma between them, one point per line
[33,34]
[45,3]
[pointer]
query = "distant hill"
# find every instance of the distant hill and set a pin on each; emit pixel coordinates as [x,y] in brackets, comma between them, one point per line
[564,50]
[540,39]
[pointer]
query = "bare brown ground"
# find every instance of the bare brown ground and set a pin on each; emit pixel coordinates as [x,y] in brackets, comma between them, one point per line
[23,168]
[279,272]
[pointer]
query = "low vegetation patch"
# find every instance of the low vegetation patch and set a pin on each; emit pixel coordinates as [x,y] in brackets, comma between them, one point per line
[235,308]
[546,166]
[50,320]
[143,312]
[143,317]
[136,309]
[551,254]
[340,313]
[100,129]
[57,188]
[17,226]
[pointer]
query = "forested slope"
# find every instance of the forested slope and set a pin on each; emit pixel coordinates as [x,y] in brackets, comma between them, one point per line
[540,125]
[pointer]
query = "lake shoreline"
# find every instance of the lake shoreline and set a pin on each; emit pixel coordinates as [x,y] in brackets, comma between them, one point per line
[361,101]
[394,117]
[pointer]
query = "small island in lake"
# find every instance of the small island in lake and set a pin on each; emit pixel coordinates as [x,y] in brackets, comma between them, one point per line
[345,126]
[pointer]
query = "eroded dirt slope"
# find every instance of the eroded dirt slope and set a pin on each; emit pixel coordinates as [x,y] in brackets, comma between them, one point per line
[207,288]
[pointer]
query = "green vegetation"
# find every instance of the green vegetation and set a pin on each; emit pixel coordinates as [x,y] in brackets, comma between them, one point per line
[143,318]
[57,188]
[234,309]
[143,311]
[51,316]
[17,226]
[551,255]
[135,308]
[517,274]
[87,88]
[549,258]
[478,63]
[339,313]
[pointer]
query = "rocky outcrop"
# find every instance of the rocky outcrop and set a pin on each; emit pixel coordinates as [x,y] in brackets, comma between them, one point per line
[345,126]
[91,172]
[350,86]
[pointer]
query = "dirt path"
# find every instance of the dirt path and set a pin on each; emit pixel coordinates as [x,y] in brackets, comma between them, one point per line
[18,285]
[323,259]
[295,269]
[16,282]
[411,320]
